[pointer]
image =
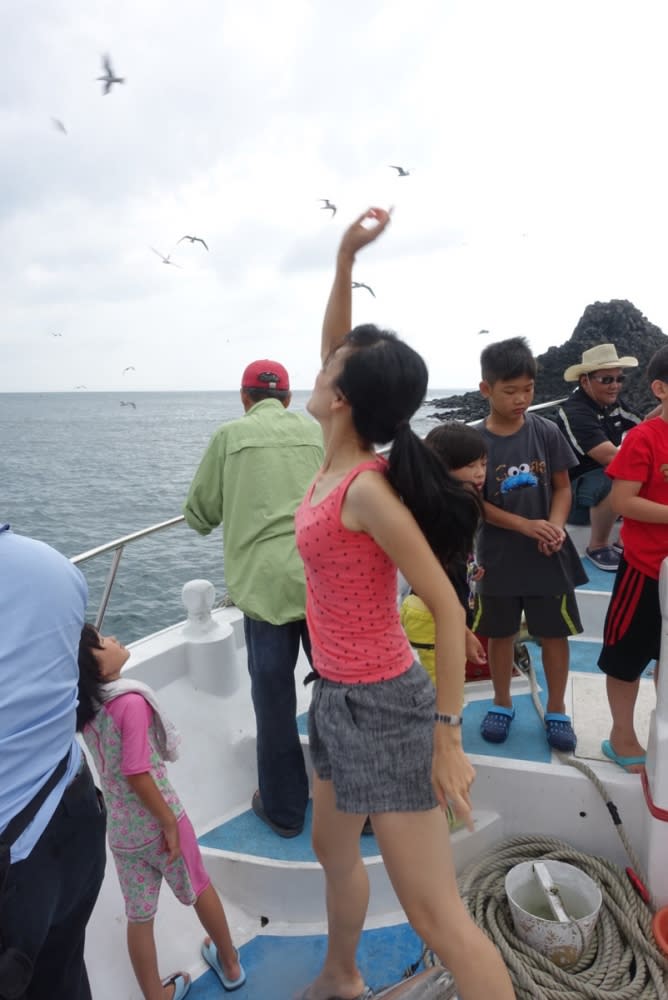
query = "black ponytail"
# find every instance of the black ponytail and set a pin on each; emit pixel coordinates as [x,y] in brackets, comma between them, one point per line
[385,382]
[447,511]
[90,681]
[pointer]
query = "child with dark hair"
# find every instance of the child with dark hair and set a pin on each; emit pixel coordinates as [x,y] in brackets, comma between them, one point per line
[150,835]
[632,632]
[383,742]
[464,453]
[530,561]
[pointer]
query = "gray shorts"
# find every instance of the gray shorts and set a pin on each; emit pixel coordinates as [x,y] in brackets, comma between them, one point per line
[374,742]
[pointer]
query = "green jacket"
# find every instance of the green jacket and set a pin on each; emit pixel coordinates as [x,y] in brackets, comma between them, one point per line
[251,479]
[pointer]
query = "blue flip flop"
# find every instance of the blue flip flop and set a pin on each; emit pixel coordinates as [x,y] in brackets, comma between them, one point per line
[180,983]
[496,725]
[210,956]
[559,732]
[623,762]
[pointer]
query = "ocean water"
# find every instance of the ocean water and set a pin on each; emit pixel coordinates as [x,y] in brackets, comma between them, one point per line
[79,470]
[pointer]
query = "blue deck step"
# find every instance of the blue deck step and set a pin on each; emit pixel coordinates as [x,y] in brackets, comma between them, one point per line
[249,835]
[527,736]
[277,966]
[598,578]
[246,834]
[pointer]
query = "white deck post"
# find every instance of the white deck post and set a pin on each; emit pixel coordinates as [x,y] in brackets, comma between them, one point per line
[656,781]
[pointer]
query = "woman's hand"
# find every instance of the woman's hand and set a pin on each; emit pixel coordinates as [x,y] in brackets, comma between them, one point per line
[475,651]
[452,774]
[358,235]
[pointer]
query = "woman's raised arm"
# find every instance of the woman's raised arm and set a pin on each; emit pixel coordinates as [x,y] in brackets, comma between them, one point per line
[338,314]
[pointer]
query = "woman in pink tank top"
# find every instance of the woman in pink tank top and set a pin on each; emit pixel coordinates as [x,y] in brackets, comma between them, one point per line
[383,742]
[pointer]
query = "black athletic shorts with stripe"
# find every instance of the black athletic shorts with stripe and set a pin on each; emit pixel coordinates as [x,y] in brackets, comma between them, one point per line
[632,631]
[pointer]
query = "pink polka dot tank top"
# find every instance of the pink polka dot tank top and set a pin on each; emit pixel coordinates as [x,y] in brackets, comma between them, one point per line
[351,593]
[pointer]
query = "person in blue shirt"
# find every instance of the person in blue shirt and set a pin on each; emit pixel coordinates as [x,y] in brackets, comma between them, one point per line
[54,868]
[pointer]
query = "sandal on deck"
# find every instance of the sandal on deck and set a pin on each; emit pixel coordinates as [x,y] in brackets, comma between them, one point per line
[606,558]
[210,956]
[623,762]
[181,985]
[496,725]
[559,732]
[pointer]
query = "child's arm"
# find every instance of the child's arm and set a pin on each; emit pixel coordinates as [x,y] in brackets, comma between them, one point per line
[562,497]
[541,530]
[625,501]
[338,314]
[146,789]
[475,651]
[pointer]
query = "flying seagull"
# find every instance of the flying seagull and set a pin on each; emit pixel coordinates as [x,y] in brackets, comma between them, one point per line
[79,386]
[109,79]
[56,334]
[59,125]
[360,284]
[130,368]
[165,260]
[193,239]
[328,205]
[129,403]
[401,171]
[481,332]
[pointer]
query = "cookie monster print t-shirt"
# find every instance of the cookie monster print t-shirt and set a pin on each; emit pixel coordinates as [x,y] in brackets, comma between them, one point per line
[520,467]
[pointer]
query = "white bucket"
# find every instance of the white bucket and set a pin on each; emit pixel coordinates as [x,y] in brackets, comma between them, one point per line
[533,919]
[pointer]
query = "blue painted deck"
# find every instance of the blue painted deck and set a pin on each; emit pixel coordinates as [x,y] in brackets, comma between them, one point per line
[598,578]
[277,967]
[249,835]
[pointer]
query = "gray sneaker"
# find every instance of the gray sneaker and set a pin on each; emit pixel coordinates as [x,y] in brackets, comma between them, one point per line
[605,558]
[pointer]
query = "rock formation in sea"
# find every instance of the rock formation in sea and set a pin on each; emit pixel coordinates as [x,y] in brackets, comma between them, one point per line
[616,322]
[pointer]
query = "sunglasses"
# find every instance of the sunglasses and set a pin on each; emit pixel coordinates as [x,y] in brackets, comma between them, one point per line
[607,379]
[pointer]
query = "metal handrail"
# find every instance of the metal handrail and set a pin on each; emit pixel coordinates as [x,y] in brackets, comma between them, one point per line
[118,545]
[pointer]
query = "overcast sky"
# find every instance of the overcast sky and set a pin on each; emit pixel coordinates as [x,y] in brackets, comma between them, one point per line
[534,133]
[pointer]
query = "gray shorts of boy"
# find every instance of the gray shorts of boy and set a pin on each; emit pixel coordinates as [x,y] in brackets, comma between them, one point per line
[374,742]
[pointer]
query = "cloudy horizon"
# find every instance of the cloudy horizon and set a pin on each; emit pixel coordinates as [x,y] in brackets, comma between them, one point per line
[531,131]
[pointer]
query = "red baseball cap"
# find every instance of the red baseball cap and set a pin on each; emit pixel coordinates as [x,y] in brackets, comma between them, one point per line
[265,374]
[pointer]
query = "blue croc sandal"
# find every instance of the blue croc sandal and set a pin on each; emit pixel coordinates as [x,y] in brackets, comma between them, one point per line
[180,983]
[210,956]
[496,725]
[559,732]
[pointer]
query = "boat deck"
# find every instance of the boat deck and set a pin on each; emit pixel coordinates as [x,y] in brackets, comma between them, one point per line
[278,966]
[276,884]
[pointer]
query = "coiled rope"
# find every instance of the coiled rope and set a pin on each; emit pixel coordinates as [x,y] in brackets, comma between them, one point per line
[621,962]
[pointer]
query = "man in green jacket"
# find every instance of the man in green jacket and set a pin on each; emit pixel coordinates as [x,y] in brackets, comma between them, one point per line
[251,479]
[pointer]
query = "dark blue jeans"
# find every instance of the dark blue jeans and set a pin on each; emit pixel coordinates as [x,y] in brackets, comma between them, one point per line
[51,894]
[272,658]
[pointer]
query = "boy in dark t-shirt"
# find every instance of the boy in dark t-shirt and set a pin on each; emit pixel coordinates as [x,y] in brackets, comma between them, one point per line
[530,562]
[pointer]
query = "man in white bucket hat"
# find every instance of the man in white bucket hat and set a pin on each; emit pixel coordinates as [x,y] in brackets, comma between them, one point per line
[594,419]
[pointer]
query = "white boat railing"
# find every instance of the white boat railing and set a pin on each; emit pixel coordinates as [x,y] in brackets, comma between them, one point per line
[118,545]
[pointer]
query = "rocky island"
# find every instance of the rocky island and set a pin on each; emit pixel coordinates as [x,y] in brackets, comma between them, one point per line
[616,322]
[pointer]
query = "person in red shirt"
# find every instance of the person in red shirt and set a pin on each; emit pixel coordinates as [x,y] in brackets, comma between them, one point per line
[632,632]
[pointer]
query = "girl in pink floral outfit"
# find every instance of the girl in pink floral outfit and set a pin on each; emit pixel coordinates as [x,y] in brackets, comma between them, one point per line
[150,835]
